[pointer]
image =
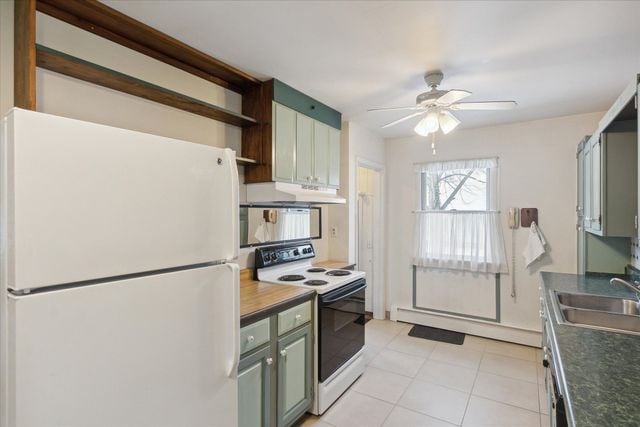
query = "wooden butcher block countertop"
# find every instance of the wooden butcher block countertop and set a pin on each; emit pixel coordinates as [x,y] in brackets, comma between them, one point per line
[260,299]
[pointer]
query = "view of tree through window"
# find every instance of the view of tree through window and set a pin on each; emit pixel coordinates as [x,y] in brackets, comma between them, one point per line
[462,189]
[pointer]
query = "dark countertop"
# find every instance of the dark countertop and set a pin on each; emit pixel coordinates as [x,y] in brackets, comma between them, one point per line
[601,369]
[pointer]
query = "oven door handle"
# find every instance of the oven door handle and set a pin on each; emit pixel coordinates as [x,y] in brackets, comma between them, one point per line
[342,296]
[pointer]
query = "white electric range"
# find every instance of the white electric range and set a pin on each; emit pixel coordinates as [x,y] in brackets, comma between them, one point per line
[339,315]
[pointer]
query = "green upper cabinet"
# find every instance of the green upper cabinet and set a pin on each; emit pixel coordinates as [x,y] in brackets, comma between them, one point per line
[334,158]
[304,149]
[320,154]
[595,215]
[610,181]
[297,140]
[284,131]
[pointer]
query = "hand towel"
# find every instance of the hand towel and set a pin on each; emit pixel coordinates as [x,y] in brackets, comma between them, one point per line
[535,245]
[262,233]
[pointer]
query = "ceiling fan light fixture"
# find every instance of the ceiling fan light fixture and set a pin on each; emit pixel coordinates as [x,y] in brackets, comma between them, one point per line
[448,122]
[429,124]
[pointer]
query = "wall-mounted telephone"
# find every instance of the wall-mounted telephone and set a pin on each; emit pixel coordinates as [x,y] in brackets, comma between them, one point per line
[514,217]
[270,215]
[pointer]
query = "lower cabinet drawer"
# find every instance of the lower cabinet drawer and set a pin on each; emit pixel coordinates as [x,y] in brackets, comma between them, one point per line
[294,317]
[254,335]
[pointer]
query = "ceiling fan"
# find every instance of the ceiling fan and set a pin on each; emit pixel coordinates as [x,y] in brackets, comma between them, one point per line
[436,106]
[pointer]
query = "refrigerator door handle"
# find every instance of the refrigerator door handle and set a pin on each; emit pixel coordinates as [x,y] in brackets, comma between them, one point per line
[235,203]
[233,364]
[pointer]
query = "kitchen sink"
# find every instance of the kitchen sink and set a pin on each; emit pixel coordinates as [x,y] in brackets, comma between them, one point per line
[602,319]
[597,312]
[597,302]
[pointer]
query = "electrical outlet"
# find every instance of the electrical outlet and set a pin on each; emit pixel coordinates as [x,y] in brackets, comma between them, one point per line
[334,232]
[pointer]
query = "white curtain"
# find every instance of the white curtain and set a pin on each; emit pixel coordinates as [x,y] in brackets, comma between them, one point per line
[293,224]
[459,240]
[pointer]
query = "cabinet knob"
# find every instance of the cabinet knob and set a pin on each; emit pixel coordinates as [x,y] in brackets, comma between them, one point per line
[298,317]
[269,361]
[283,353]
[250,338]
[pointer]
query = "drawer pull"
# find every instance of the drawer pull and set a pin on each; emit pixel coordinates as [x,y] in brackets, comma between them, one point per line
[251,338]
[298,317]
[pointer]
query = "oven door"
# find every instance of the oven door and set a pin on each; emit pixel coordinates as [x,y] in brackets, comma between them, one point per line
[341,326]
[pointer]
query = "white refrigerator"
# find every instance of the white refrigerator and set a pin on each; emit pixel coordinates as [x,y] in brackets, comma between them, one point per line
[119,298]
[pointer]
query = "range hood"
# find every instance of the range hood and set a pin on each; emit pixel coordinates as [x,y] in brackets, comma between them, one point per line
[285,192]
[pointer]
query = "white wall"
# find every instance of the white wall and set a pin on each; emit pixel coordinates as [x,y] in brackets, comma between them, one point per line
[65,96]
[537,169]
[356,142]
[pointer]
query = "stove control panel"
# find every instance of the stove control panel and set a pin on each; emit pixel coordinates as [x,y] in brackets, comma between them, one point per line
[275,255]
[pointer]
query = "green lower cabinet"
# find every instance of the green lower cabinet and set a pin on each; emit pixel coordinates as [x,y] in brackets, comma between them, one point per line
[295,384]
[275,378]
[254,392]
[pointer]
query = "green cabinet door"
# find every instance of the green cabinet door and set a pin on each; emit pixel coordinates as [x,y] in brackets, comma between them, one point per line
[334,158]
[320,153]
[284,138]
[596,190]
[588,186]
[295,370]
[304,149]
[254,389]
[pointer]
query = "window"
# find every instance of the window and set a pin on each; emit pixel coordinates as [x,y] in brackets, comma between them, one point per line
[457,226]
[458,189]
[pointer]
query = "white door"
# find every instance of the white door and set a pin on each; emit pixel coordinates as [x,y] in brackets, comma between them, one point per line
[149,351]
[82,201]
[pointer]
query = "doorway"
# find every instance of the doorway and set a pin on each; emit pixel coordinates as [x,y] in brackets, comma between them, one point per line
[369,234]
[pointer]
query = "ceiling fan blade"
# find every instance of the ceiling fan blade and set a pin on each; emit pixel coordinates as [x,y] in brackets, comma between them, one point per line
[395,122]
[489,105]
[394,108]
[454,95]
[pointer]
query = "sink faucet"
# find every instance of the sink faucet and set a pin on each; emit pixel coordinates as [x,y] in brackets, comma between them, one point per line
[629,285]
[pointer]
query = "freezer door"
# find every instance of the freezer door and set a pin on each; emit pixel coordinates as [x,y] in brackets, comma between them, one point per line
[152,351]
[82,201]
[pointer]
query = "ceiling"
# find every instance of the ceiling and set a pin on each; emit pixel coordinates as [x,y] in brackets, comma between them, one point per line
[554,58]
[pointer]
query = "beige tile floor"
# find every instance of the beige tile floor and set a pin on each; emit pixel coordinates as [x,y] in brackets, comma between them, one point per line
[415,382]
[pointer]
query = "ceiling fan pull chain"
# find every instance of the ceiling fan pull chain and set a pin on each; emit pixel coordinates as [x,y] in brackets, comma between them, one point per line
[433,143]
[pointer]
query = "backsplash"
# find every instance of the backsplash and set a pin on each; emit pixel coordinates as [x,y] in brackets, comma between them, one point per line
[635,253]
